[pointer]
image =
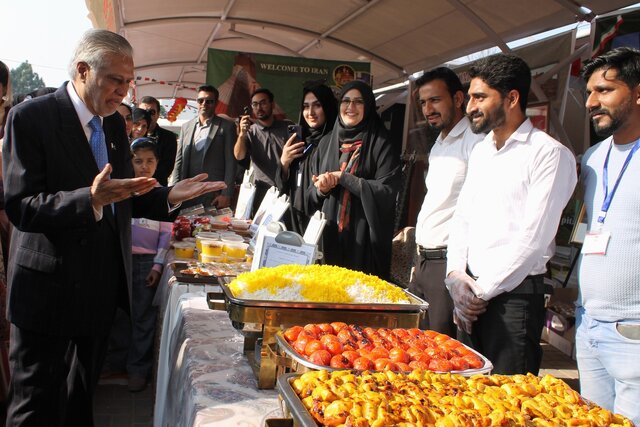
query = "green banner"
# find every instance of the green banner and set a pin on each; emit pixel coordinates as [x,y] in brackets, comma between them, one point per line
[238,74]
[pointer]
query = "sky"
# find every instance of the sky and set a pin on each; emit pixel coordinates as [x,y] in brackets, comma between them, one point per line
[43,32]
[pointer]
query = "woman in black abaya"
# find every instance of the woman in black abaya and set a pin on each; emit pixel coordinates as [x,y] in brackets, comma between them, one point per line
[356,178]
[317,118]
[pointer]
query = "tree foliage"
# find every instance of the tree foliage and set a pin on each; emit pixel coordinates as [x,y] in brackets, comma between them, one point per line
[24,79]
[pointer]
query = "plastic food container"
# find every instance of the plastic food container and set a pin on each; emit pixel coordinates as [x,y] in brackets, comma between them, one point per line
[205,235]
[240,224]
[184,249]
[220,225]
[212,258]
[235,250]
[232,238]
[212,247]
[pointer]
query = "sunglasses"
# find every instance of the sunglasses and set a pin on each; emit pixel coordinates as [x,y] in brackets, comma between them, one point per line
[207,101]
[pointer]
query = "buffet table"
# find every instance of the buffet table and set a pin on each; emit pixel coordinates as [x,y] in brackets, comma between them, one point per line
[203,377]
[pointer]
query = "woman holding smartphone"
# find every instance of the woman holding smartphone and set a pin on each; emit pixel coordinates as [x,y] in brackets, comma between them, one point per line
[356,181]
[318,115]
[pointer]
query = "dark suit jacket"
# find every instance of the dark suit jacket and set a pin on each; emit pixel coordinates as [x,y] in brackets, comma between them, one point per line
[66,270]
[167,147]
[218,160]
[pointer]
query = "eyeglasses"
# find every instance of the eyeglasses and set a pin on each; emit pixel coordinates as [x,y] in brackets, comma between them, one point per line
[358,102]
[207,101]
[152,111]
[142,142]
[259,104]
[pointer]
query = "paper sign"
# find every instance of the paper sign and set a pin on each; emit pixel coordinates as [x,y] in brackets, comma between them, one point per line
[274,254]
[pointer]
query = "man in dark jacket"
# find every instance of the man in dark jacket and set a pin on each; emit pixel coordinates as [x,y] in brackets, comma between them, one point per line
[166,140]
[70,195]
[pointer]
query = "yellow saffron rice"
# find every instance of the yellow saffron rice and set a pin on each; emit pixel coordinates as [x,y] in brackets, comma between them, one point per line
[315,283]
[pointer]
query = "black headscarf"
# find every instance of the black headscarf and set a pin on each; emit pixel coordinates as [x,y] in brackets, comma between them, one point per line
[365,245]
[299,177]
[370,120]
[329,106]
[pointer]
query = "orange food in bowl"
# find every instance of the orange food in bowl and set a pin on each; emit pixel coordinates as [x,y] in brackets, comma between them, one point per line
[366,348]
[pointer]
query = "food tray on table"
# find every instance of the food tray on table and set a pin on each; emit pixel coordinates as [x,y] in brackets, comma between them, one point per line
[206,273]
[299,364]
[267,317]
[415,305]
[425,398]
[292,405]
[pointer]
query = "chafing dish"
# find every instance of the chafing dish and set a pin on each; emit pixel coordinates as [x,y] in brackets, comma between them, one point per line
[299,364]
[263,319]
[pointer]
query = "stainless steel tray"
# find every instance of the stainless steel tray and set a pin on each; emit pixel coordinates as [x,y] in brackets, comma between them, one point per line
[268,317]
[301,417]
[416,304]
[293,354]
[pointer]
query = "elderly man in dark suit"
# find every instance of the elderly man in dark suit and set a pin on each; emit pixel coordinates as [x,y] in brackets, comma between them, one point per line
[206,145]
[70,195]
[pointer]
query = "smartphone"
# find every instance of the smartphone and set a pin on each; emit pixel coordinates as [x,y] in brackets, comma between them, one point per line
[295,129]
[246,111]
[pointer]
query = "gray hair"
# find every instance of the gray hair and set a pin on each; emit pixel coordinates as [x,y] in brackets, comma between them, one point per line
[95,45]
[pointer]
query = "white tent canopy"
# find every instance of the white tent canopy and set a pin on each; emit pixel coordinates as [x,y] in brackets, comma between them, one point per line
[398,37]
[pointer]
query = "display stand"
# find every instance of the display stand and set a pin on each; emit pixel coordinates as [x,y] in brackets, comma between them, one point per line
[245,201]
[314,229]
[276,246]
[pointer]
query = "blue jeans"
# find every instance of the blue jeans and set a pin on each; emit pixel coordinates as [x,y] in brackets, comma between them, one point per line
[609,365]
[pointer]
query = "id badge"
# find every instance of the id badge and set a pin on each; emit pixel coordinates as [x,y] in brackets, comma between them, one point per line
[299,179]
[596,242]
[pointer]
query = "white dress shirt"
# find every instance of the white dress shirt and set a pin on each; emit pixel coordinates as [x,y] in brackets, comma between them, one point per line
[509,209]
[447,171]
[83,112]
[85,117]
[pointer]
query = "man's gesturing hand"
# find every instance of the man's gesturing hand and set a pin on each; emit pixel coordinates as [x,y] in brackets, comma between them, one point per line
[191,188]
[105,191]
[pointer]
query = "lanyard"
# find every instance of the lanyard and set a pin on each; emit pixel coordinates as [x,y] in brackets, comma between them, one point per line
[605,180]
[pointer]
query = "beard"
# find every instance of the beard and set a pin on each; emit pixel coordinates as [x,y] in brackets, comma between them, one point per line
[617,118]
[445,122]
[489,121]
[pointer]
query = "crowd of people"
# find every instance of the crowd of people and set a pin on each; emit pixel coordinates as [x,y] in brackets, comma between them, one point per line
[89,192]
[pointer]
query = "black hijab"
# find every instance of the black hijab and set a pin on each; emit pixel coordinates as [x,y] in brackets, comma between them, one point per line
[329,106]
[370,120]
[364,245]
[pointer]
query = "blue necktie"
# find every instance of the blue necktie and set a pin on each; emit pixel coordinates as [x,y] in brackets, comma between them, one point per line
[97,143]
[98,146]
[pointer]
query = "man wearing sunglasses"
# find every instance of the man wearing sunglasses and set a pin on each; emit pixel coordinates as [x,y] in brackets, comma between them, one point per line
[206,145]
[166,140]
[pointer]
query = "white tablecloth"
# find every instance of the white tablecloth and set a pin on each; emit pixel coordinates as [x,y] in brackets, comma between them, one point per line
[203,377]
